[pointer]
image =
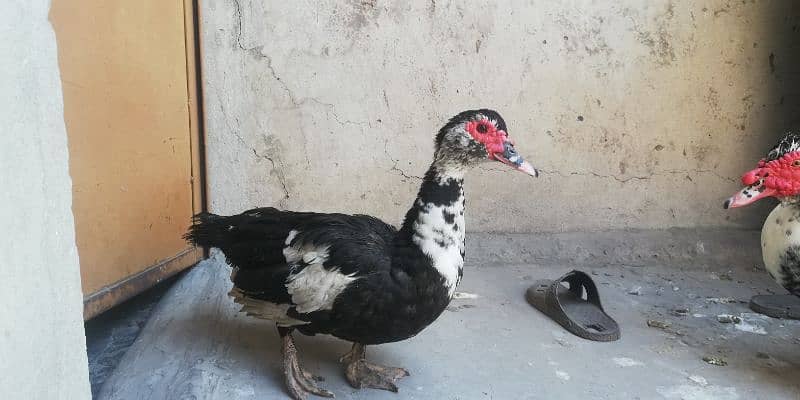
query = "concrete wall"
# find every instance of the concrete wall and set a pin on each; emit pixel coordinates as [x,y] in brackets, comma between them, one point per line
[42,342]
[643,114]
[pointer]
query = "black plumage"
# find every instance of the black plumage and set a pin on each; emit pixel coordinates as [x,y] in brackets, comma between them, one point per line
[354,276]
[397,293]
[789,270]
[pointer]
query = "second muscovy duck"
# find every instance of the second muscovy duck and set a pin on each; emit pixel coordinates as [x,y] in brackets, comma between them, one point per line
[777,175]
[354,276]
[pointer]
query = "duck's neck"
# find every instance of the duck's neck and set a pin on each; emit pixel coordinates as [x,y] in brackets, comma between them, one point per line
[791,202]
[435,223]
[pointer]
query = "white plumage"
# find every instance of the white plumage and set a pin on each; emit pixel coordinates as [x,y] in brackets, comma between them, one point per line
[313,288]
[431,230]
[781,231]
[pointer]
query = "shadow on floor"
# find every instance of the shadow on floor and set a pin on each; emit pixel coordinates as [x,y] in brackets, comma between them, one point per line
[110,334]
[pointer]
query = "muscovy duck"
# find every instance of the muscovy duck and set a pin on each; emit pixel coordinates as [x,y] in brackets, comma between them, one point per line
[354,276]
[778,175]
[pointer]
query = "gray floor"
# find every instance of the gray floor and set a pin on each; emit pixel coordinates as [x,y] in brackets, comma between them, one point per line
[110,334]
[494,346]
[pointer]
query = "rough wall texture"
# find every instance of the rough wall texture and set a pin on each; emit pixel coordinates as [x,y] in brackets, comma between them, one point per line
[642,114]
[42,342]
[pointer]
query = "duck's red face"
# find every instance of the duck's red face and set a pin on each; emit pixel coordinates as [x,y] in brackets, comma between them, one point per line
[779,178]
[499,146]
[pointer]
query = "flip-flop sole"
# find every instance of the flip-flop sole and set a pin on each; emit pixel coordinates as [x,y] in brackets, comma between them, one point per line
[583,317]
[784,306]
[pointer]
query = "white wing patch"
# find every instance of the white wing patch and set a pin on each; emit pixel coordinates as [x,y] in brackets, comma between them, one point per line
[314,288]
[290,237]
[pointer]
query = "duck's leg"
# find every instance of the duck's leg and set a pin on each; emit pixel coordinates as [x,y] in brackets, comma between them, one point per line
[298,382]
[361,373]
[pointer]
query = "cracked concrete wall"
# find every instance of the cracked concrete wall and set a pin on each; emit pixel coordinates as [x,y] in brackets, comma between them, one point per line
[42,341]
[642,114]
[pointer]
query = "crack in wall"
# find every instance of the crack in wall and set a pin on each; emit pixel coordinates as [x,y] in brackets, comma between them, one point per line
[394,161]
[258,52]
[279,174]
[403,173]
[625,179]
[227,119]
[296,102]
[332,111]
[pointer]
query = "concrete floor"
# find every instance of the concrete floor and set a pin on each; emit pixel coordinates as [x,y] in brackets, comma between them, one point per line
[110,334]
[495,346]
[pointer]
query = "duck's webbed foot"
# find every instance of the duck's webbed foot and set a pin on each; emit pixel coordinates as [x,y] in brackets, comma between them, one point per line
[299,383]
[361,373]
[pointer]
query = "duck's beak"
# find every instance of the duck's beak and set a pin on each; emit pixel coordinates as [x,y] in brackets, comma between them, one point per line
[749,195]
[755,189]
[510,157]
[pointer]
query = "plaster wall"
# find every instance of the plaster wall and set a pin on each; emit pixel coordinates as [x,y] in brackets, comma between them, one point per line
[642,114]
[42,341]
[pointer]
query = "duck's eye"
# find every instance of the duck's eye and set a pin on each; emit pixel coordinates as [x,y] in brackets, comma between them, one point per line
[796,163]
[483,129]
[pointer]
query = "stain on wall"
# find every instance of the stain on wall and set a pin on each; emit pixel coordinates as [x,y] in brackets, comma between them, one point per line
[640,114]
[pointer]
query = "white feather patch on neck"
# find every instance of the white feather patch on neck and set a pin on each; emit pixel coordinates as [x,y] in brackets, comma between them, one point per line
[443,242]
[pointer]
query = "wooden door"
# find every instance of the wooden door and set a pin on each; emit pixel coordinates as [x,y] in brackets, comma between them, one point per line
[131,111]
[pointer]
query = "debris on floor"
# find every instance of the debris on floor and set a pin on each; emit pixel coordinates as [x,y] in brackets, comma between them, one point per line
[746,322]
[725,276]
[713,360]
[679,312]
[728,319]
[698,380]
[721,300]
[664,326]
[753,323]
[658,324]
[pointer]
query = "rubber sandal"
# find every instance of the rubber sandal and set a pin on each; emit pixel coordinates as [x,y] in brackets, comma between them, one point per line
[785,306]
[583,317]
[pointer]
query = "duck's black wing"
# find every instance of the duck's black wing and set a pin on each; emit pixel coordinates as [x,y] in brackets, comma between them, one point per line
[299,260]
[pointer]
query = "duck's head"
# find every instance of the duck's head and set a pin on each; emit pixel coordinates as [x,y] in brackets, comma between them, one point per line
[777,175]
[474,136]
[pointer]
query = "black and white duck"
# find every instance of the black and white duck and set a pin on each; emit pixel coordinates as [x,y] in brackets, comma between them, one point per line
[354,276]
[777,175]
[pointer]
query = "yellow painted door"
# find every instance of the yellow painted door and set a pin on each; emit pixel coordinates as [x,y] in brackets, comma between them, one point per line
[127,71]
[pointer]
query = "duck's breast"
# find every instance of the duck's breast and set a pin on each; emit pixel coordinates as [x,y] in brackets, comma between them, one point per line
[780,243]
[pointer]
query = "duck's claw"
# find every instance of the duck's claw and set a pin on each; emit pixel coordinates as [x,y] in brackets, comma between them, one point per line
[361,373]
[299,383]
